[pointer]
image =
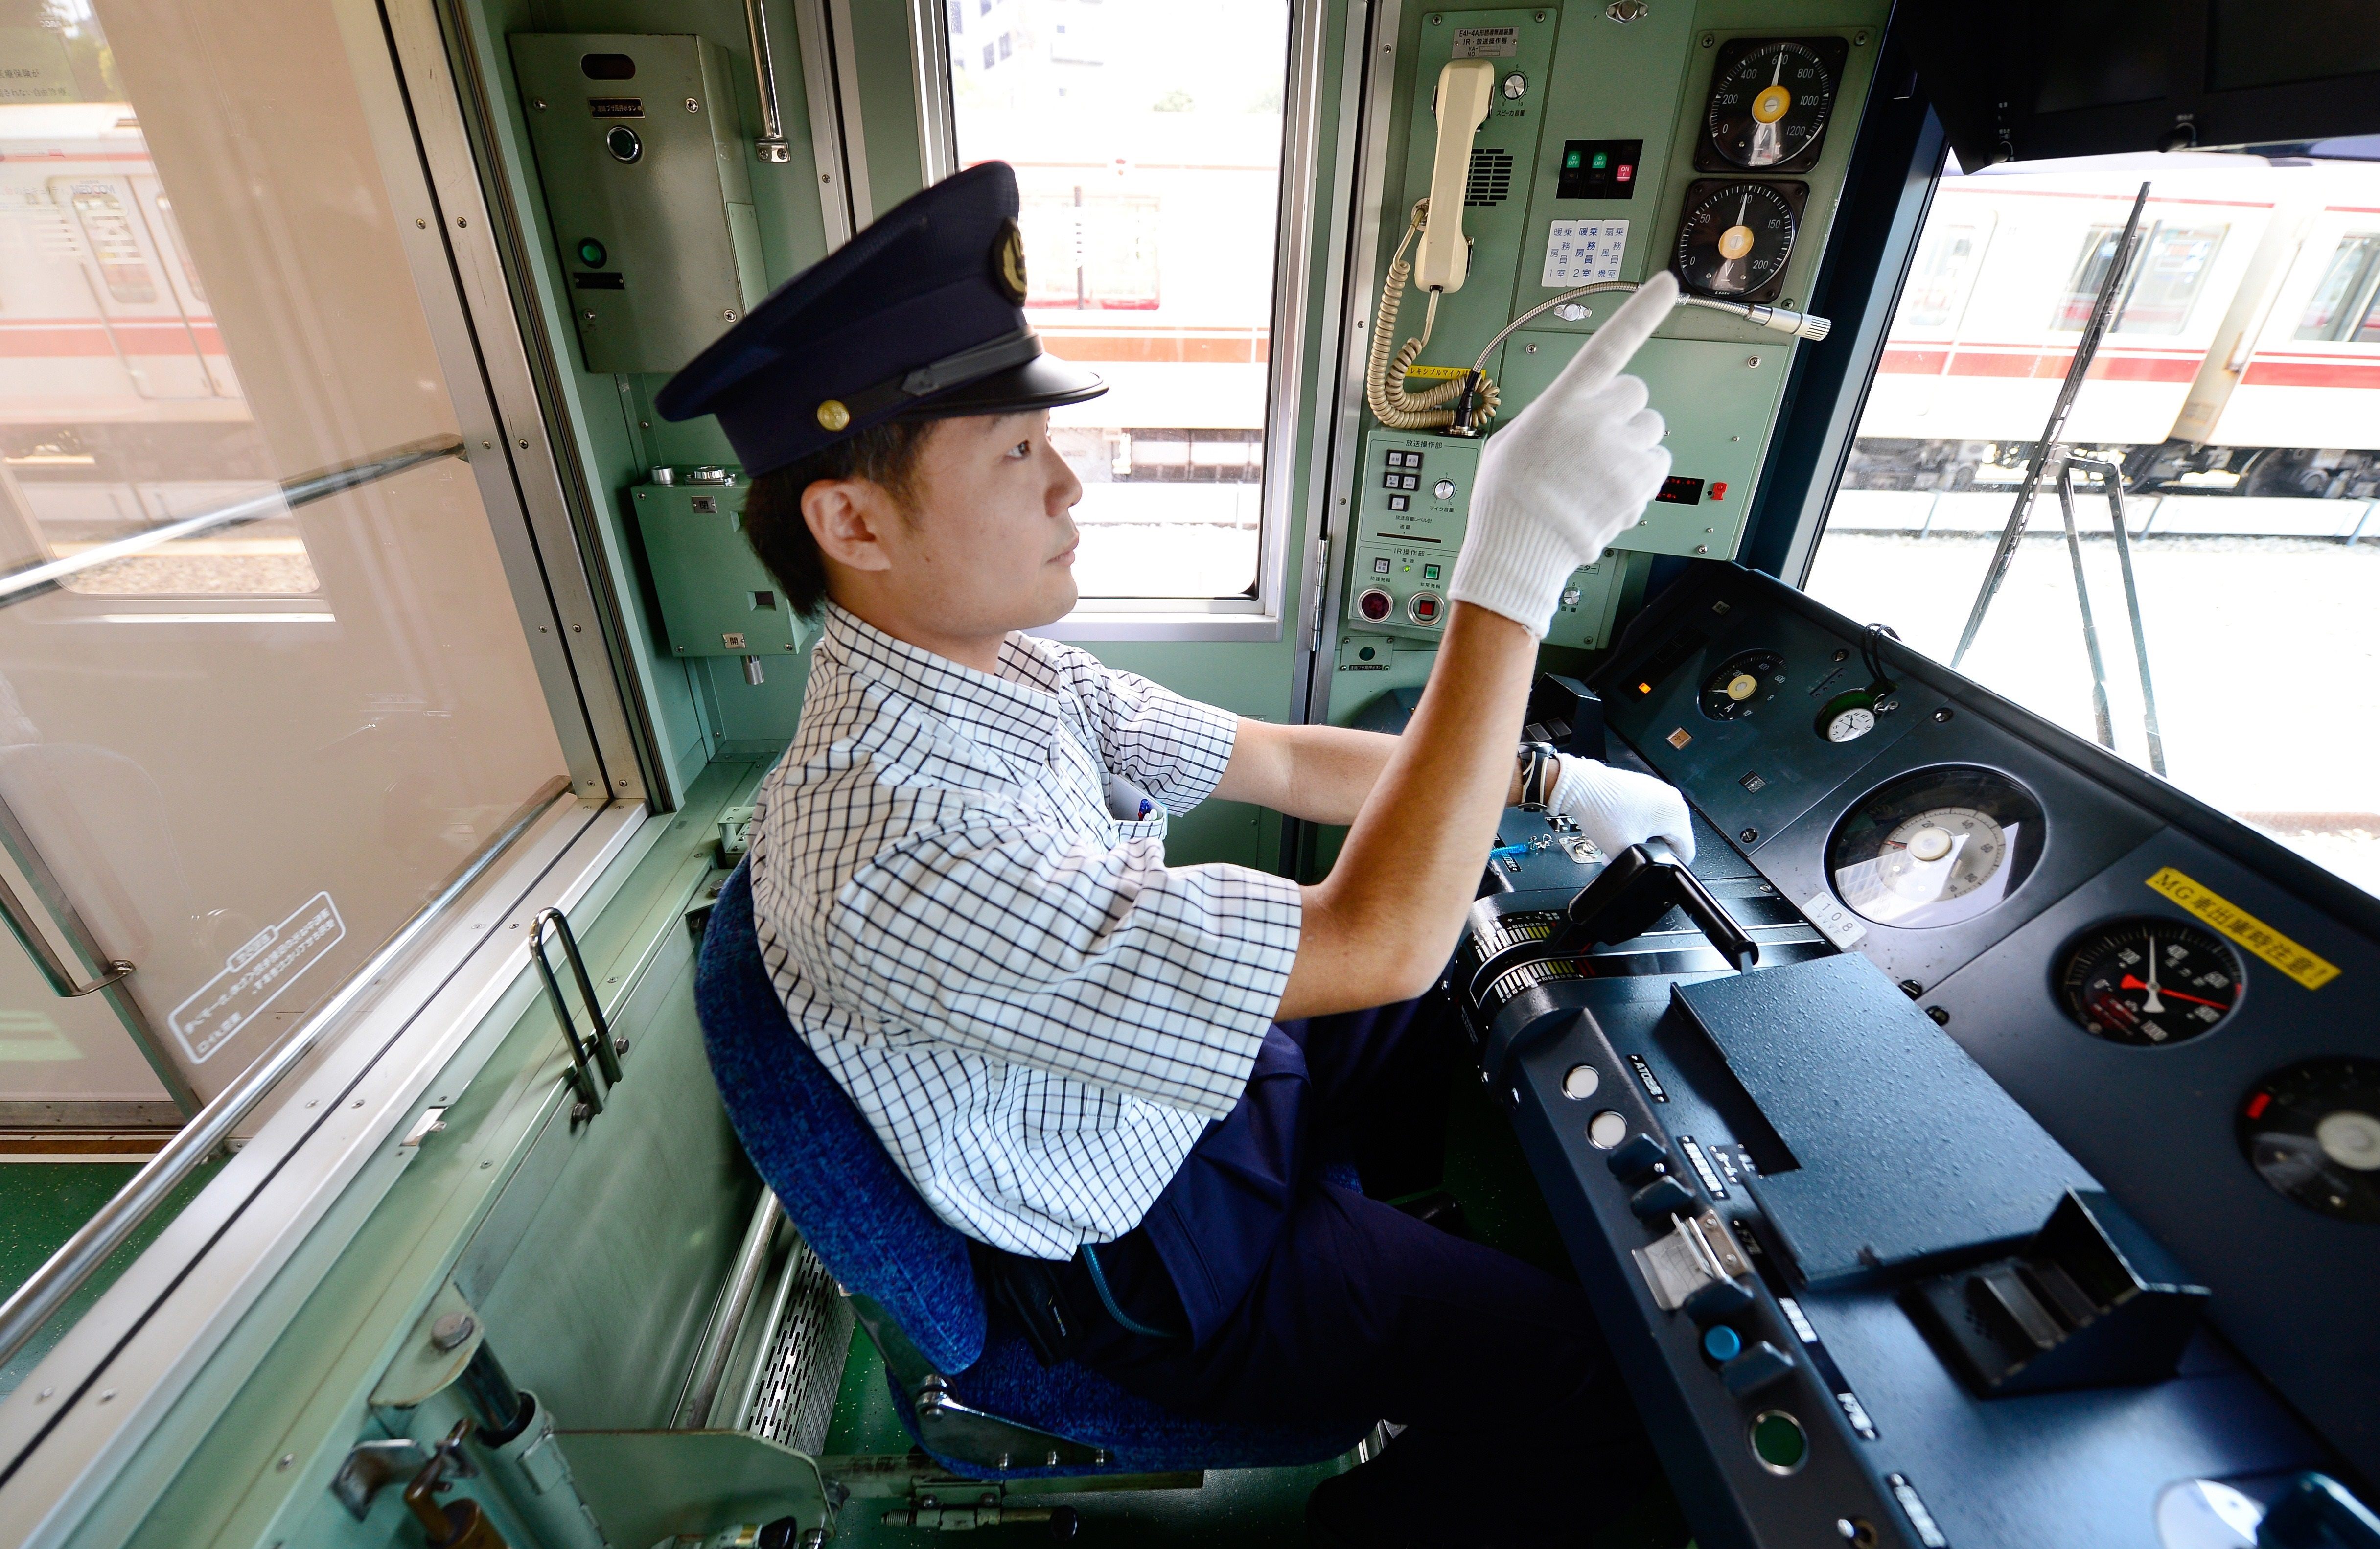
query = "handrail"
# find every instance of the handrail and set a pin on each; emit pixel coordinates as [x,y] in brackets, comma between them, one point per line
[35,1302]
[33,579]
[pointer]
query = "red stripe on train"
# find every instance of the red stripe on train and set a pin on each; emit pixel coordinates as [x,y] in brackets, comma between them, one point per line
[89,341]
[2042,366]
[2305,373]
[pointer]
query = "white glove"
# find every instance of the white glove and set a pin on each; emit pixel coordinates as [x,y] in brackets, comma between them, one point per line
[1573,472]
[1619,807]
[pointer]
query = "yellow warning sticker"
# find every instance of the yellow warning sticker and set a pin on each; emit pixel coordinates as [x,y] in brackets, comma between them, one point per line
[1433,373]
[2215,910]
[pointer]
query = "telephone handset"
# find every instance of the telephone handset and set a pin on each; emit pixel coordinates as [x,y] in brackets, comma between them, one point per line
[1466,89]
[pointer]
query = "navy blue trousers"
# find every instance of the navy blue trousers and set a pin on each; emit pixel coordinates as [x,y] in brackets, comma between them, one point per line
[1308,1302]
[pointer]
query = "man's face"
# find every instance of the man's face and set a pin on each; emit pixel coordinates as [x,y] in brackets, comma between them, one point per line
[988,542]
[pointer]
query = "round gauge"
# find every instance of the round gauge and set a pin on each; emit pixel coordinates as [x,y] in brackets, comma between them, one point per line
[2149,981]
[1770,104]
[1738,688]
[1851,723]
[1936,848]
[2313,1131]
[1735,238]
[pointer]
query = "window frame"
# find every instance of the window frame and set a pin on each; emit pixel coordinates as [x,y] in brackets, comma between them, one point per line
[1302,200]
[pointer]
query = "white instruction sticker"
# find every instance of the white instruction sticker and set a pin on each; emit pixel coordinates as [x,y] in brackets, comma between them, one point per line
[1487,43]
[1834,922]
[1583,253]
[253,979]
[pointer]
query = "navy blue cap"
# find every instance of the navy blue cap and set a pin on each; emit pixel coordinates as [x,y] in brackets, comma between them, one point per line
[920,316]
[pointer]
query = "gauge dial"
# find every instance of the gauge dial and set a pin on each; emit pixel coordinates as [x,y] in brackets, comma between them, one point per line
[2149,982]
[1771,102]
[1736,237]
[2313,1131]
[1738,688]
[1936,848]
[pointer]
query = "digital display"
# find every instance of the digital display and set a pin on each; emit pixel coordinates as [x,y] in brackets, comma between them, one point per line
[1680,490]
[1599,169]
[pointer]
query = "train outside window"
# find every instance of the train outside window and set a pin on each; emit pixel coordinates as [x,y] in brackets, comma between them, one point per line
[262,684]
[1147,142]
[2239,390]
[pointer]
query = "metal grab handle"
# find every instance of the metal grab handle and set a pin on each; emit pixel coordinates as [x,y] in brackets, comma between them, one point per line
[34,579]
[604,1052]
[28,931]
[1623,901]
[109,971]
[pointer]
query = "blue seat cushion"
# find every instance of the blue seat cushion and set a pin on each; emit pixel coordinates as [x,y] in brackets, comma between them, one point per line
[878,1239]
[837,1184]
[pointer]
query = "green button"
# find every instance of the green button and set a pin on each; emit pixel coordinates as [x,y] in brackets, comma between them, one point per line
[1601,160]
[1778,1441]
[1429,573]
[592,253]
[1570,160]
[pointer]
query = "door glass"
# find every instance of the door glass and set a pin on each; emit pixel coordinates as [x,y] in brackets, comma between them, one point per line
[1147,140]
[2240,393]
[249,755]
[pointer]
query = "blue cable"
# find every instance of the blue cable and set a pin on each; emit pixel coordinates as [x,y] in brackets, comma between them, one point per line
[1107,1298]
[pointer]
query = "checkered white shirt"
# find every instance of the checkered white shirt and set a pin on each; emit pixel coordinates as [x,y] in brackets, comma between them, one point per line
[1035,1013]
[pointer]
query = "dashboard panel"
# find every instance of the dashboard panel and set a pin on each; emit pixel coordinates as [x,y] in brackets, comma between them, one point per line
[2169,998]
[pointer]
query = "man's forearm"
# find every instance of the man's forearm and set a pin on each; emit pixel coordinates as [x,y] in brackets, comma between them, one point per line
[1323,774]
[1379,926]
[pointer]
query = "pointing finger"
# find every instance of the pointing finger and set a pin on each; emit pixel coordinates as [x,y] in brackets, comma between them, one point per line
[1618,340]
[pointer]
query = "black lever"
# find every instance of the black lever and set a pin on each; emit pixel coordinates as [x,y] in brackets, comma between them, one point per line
[1626,899]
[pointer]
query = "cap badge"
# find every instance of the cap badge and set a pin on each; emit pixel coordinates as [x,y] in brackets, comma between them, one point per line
[1008,261]
[832,416]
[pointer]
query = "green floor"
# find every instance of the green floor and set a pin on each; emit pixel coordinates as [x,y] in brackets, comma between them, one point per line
[1264,1509]
[41,1203]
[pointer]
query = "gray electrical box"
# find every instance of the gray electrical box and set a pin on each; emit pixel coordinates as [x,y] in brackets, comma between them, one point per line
[645,184]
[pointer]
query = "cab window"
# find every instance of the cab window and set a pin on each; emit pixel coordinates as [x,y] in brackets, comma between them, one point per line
[1147,143]
[2238,391]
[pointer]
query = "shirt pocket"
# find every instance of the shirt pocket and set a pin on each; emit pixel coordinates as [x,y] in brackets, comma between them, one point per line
[1151,827]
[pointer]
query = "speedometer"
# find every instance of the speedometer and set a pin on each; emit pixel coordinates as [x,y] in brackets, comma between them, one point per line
[1936,848]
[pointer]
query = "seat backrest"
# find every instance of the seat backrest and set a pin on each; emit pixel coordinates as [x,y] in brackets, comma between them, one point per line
[837,1184]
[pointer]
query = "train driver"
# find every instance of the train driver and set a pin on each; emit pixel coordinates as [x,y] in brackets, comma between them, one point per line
[1121,1077]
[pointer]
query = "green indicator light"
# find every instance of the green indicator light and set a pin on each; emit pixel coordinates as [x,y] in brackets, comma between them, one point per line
[1601,160]
[1429,573]
[591,252]
[1570,160]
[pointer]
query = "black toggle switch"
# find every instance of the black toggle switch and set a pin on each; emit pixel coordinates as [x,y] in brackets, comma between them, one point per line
[1663,1196]
[1638,1158]
[1716,1302]
[1760,1364]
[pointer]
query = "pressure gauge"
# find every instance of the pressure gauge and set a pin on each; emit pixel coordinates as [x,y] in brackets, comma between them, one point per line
[1769,101]
[2148,982]
[1736,237]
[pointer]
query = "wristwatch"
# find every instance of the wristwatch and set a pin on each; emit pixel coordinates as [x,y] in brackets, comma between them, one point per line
[1540,768]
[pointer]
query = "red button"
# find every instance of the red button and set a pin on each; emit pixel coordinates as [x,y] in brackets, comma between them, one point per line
[1626,172]
[1374,604]
[1719,491]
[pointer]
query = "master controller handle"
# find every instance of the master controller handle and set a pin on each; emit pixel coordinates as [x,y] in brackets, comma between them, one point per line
[1626,899]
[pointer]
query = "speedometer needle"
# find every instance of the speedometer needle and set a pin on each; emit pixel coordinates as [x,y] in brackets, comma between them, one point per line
[2151,1003]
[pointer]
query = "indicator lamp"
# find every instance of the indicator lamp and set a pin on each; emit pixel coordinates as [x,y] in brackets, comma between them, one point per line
[592,253]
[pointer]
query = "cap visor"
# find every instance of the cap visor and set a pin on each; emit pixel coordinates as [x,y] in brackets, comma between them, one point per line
[1041,382]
